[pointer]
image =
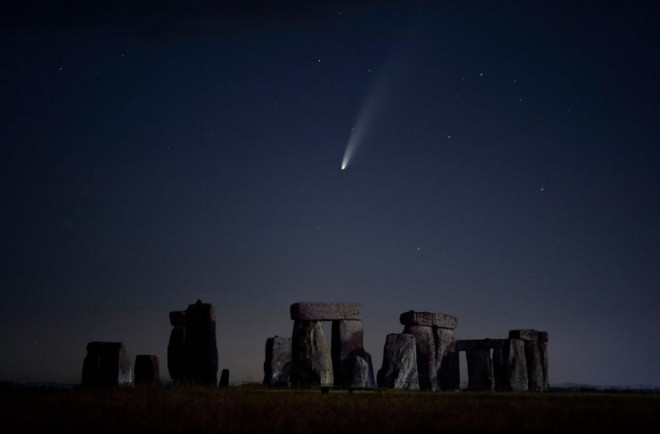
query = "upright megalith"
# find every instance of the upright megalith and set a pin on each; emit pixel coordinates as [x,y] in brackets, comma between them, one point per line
[277,367]
[349,358]
[399,369]
[536,357]
[480,369]
[106,364]
[434,338]
[310,355]
[147,370]
[192,353]
[349,364]
[510,366]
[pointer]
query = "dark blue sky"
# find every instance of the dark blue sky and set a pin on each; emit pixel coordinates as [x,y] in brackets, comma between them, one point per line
[153,155]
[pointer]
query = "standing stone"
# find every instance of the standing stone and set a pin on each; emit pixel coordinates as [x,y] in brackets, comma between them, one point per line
[536,355]
[224,378]
[106,364]
[310,355]
[347,338]
[277,367]
[399,370]
[510,366]
[147,370]
[361,370]
[434,337]
[176,349]
[449,376]
[429,355]
[192,353]
[480,369]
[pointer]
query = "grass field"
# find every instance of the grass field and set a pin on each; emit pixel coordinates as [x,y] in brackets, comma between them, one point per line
[253,409]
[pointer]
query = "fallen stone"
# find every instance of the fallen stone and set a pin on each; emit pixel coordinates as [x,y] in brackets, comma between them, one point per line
[412,318]
[106,364]
[147,370]
[310,355]
[277,367]
[399,370]
[325,311]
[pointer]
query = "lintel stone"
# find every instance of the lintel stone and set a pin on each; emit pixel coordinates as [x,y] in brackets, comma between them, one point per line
[412,318]
[479,344]
[529,335]
[323,311]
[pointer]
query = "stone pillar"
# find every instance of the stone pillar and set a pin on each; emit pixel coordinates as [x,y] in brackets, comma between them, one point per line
[277,367]
[399,370]
[434,337]
[176,351]
[449,377]
[147,370]
[347,340]
[510,366]
[224,378]
[106,364]
[536,355]
[480,369]
[200,347]
[310,355]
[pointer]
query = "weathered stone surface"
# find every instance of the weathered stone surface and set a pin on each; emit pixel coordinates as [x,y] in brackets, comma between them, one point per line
[535,378]
[427,356]
[147,370]
[277,367]
[399,370]
[325,311]
[347,338]
[432,344]
[528,335]
[510,366]
[480,370]
[412,318]
[449,377]
[224,378]
[192,353]
[479,344]
[536,354]
[310,355]
[361,370]
[106,364]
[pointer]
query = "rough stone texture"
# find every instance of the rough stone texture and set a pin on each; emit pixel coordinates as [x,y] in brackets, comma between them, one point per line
[310,355]
[147,370]
[479,344]
[528,335]
[510,366]
[192,353]
[106,364]
[325,311]
[412,318]
[432,343]
[176,348]
[480,370]
[361,370]
[224,378]
[449,377]
[399,370]
[277,367]
[535,378]
[347,339]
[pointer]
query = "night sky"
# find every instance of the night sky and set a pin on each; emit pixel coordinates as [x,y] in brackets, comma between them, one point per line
[505,172]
